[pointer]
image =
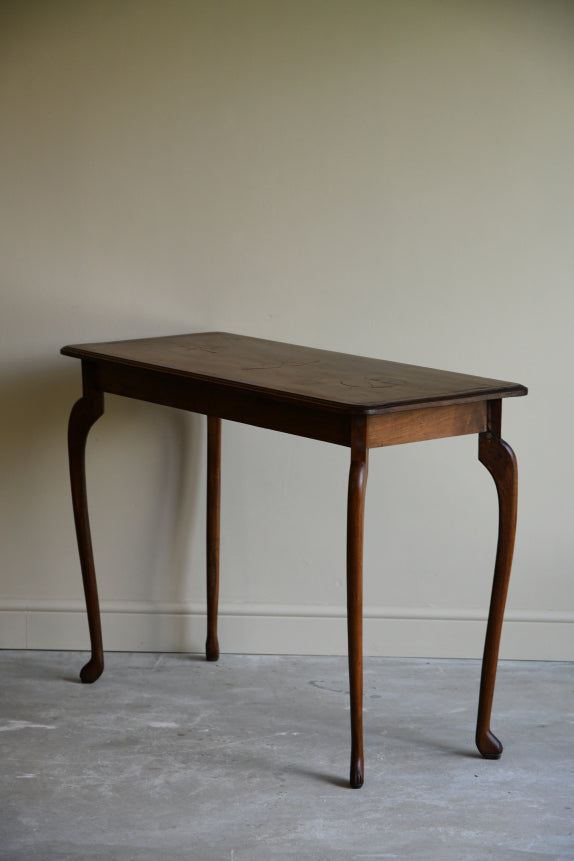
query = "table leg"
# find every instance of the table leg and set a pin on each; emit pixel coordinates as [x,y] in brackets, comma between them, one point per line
[499,459]
[84,413]
[212,533]
[355,517]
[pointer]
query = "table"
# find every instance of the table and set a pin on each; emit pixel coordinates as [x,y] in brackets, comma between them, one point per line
[348,400]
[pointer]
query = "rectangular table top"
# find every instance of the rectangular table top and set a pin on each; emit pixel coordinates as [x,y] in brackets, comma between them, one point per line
[345,382]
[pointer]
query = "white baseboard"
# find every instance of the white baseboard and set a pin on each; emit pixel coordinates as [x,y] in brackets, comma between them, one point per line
[286,629]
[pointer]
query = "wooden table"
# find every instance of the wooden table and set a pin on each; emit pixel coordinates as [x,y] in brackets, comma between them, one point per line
[343,399]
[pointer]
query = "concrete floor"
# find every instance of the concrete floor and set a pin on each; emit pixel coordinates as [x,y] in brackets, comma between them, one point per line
[169,757]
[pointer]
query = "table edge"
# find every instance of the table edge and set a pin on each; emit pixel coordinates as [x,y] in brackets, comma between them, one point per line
[495,393]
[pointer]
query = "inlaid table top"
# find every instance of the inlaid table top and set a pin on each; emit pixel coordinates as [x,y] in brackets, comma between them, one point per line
[338,381]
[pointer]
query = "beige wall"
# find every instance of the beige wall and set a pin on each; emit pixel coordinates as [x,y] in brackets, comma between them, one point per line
[389,178]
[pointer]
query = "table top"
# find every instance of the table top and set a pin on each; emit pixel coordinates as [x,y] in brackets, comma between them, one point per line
[354,383]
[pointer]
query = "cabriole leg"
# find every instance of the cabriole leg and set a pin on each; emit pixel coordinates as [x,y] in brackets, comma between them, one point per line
[499,459]
[84,413]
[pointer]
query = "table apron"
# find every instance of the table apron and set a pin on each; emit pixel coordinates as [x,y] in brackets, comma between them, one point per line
[214,398]
[426,423]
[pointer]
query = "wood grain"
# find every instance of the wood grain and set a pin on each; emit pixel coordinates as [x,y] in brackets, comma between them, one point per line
[339,380]
[426,423]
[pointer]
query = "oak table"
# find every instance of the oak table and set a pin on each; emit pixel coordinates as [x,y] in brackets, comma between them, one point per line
[348,400]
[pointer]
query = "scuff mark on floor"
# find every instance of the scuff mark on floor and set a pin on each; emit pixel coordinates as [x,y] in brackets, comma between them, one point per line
[23,724]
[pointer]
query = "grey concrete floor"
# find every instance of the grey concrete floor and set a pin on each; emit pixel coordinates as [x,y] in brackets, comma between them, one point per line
[169,757]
